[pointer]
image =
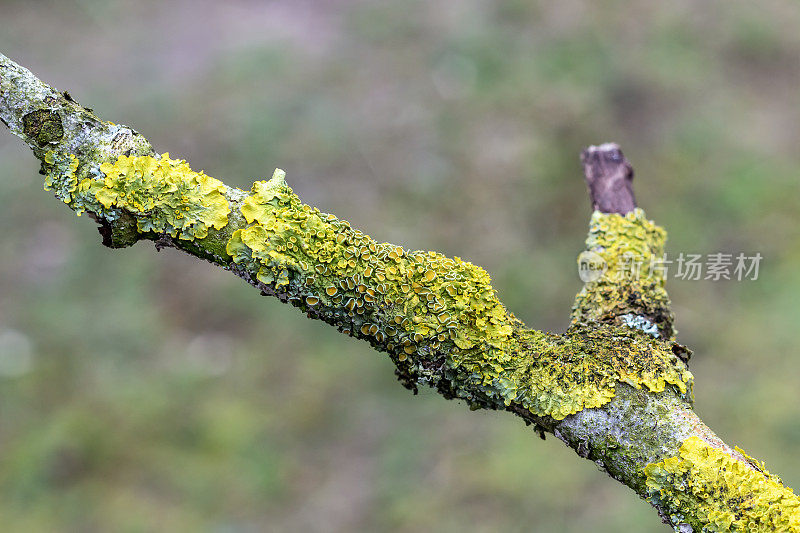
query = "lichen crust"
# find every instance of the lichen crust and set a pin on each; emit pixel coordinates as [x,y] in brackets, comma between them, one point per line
[710,490]
[437,316]
[632,288]
[164,195]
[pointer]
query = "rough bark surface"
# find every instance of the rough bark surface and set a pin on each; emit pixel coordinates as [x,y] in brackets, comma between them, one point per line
[615,387]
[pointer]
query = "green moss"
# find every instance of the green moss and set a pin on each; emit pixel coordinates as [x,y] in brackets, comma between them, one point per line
[708,489]
[43,126]
[629,292]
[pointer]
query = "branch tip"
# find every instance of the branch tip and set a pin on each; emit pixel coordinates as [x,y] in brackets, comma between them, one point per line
[609,177]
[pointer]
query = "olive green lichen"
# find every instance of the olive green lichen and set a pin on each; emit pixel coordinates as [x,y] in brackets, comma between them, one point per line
[631,289]
[437,316]
[43,126]
[710,490]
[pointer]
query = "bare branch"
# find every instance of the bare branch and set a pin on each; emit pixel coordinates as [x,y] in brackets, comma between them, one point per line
[609,177]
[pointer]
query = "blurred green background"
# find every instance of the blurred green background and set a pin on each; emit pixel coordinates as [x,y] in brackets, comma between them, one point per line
[153,392]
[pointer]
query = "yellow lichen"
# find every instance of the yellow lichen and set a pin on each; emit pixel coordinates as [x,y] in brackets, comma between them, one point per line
[710,490]
[167,195]
[423,307]
[437,317]
[164,195]
[631,249]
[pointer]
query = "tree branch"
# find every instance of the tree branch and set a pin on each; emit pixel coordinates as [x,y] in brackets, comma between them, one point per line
[615,387]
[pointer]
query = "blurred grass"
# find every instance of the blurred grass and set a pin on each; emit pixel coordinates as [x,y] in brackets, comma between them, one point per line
[144,391]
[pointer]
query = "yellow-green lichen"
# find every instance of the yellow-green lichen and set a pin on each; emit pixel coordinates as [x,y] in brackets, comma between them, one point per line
[710,490]
[437,316]
[134,196]
[165,194]
[580,369]
[631,289]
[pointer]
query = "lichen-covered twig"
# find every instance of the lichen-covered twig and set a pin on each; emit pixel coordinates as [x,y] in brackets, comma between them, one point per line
[615,387]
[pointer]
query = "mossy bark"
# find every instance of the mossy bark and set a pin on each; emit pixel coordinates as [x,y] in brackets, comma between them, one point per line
[614,387]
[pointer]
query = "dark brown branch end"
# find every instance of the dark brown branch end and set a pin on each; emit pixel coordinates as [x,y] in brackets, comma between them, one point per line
[609,177]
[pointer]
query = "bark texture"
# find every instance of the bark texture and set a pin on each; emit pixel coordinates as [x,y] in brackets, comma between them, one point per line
[614,387]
